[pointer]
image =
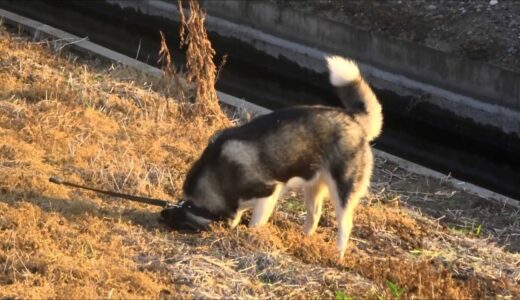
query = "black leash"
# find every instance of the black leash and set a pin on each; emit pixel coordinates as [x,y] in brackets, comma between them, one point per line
[151,201]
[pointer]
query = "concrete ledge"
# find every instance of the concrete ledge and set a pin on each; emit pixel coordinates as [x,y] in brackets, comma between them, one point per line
[477,91]
[482,92]
[445,70]
[42,31]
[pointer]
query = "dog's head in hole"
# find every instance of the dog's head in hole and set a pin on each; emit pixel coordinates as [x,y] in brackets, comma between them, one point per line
[185,217]
[325,150]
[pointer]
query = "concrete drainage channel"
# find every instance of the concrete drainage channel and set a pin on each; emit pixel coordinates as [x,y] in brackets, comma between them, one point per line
[278,79]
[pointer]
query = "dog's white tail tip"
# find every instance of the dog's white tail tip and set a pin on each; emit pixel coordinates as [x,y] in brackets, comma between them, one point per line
[342,71]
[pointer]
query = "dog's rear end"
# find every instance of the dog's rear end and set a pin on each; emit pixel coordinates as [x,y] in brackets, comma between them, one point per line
[327,149]
[348,186]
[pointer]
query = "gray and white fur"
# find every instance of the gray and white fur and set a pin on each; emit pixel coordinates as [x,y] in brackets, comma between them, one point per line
[324,149]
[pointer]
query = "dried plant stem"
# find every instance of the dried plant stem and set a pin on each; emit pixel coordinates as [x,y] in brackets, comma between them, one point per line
[201,70]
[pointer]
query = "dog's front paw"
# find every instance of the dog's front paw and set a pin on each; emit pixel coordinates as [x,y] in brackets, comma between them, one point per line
[341,254]
[309,229]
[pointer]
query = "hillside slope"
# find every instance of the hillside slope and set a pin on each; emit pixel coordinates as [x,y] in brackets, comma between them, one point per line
[114,128]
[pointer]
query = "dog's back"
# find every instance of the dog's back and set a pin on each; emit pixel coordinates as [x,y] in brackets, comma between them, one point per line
[327,148]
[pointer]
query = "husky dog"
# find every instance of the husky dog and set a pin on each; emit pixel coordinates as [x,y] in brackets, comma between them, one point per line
[325,149]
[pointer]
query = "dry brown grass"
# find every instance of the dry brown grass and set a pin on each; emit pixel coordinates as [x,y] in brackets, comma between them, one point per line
[94,127]
[106,127]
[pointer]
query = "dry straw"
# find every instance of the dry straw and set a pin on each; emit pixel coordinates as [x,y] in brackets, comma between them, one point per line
[118,129]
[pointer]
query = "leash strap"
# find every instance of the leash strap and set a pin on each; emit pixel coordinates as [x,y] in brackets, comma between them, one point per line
[151,201]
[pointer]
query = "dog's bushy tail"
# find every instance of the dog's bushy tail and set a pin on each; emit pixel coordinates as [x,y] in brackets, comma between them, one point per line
[356,95]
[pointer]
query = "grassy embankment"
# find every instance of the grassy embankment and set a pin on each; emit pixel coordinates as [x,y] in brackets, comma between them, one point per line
[118,129]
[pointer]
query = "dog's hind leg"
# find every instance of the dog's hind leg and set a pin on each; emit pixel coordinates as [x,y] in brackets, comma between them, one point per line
[314,194]
[344,216]
[264,208]
[346,191]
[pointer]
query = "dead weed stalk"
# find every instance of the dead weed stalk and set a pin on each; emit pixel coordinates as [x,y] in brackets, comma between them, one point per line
[165,59]
[201,70]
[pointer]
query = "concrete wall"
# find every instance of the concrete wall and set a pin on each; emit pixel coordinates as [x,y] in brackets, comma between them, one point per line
[476,79]
[481,92]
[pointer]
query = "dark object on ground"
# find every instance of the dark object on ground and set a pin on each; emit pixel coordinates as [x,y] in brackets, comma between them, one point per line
[179,217]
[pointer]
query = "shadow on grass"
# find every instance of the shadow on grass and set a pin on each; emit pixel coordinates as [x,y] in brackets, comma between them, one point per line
[77,206]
